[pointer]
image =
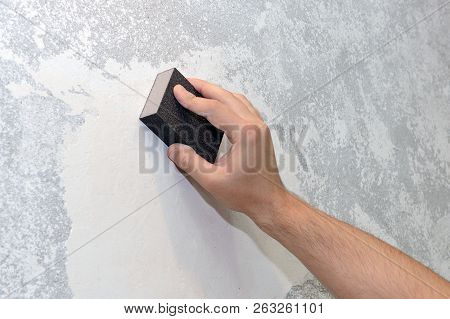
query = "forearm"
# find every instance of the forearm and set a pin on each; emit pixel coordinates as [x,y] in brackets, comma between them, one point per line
[350,262]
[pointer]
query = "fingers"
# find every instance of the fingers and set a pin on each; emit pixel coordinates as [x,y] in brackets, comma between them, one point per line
[193,164]
[196,104]
[215,112]
[225,110]
[212,91]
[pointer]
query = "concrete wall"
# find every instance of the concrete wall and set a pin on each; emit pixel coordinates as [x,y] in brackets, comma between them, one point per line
[357,94]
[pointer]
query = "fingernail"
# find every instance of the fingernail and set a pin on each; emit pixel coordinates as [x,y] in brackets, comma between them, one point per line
[178,87]
[171,152]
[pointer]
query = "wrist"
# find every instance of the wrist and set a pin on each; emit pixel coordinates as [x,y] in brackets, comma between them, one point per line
[288,215]
[274,213]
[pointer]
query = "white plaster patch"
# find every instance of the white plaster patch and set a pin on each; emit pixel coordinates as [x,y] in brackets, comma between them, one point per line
[19,90]
[379,140]
[260,22]
[176,246]
[8,54]
[341,132]
[37,37]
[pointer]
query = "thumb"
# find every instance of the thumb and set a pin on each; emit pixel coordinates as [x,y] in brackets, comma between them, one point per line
[189,161]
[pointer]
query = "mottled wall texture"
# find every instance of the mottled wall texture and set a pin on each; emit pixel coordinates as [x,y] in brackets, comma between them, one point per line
[357,94]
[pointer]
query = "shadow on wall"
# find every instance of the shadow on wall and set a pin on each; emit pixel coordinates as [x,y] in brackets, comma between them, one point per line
[223,261]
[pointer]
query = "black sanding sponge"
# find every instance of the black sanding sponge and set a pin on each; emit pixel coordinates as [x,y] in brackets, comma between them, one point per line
[173,123]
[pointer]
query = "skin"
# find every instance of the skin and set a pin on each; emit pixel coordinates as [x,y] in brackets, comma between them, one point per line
[348,261]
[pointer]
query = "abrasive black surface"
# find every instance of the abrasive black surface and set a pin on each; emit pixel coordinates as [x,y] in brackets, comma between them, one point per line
[173,123]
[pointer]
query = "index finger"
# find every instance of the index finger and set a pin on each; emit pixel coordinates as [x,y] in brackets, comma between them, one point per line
[212,91]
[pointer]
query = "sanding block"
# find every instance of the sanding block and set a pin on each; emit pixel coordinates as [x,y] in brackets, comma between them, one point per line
[173,123]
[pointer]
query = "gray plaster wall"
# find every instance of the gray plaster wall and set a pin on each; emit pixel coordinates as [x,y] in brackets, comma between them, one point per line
[365,83]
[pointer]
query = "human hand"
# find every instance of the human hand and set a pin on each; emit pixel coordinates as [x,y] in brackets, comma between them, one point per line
[246,179]
[350,262]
